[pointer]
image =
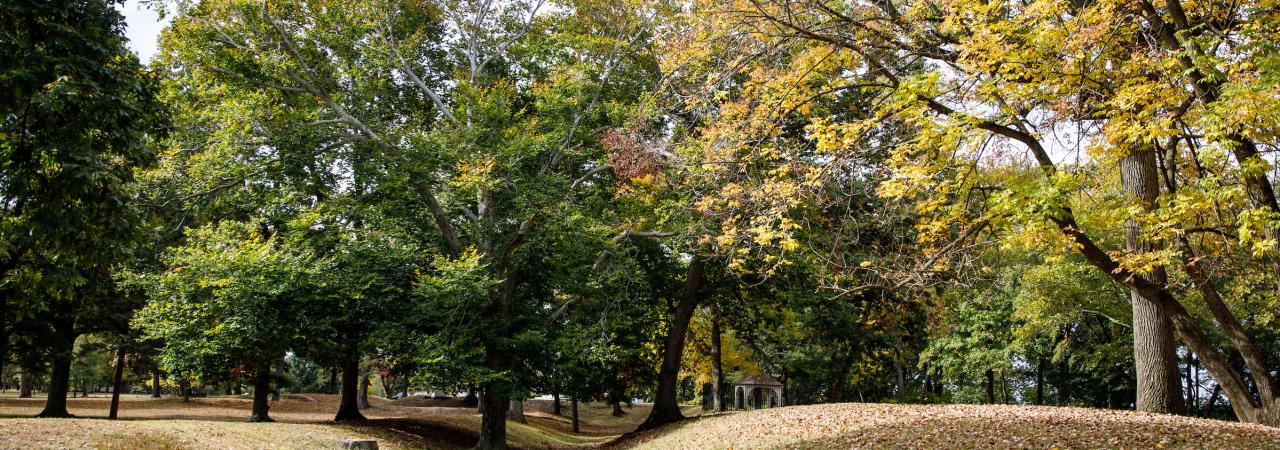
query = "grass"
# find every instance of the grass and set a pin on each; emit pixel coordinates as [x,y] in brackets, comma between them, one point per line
[303,421]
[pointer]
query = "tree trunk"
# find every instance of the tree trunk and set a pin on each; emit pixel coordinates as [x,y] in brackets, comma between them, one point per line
[493,422]
[1191,389]
[574,406]
[155,384]
[717,370]
[617,408]
[184,388]
[332,388]
[364,389]
[118,385]
[1004,386]
[1213,398]
[349,406]
[261,391]
[24,384]
[666,409]
[60,375]
[1040,381]
[515,412]
[471,399]
[1154,355]
[901,394]
[838,385]
[991,386]
[555,400]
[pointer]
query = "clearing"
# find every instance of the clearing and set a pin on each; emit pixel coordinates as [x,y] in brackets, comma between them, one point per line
[303,422]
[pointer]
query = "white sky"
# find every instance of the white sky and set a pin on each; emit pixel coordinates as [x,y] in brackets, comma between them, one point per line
[143,28]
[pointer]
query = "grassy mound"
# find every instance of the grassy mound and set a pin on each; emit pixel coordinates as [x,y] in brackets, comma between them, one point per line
[860,425]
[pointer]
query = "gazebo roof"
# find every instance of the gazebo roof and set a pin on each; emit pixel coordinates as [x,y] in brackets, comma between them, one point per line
[763,379]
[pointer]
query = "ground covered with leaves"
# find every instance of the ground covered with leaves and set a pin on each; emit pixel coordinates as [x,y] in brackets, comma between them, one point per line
[864,425]
[302,422]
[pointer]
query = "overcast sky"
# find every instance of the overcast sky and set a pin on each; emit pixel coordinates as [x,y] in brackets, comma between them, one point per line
[143,28]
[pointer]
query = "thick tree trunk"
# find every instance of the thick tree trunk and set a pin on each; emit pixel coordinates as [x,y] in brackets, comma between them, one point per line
[838,386]
[184,389]
[261,391]
[493,422]
[990,377]
[717,370]
[617,408]
[60,375]
[364,389]
[386,385]
[470,399]
[349,406]
[515,412]
[155,384]
[117,385]
[574,406]
[24,384]
[555,400]
[1154,353]
[666,408]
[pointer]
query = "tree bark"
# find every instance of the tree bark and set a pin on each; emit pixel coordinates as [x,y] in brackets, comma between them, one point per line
[666,409]
[1040,381]
[184,389]
[1154,355]
[155,384]
[515,412]
[493,422]
[573,404]
[60,374]
[364,389]
[717,370]
[118,384]
[617,408]
[991,386]
[901,379]
[838,386]
[348,406]
[24,384]
[555,400]
[470,399]
[261,391]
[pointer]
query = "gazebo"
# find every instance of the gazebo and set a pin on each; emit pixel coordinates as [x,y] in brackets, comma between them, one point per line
[745,389]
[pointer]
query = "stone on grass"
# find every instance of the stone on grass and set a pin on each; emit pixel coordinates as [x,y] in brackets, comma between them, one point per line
[360,444]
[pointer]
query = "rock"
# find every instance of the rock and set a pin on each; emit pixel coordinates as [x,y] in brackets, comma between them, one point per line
[360,444]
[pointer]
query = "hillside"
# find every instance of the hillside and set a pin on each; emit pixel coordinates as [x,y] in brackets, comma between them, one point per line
[859,425]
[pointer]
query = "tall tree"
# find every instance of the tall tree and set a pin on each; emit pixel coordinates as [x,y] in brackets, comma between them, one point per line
[77,111]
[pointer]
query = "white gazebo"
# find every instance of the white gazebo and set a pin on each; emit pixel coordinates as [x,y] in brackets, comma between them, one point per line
[744,392]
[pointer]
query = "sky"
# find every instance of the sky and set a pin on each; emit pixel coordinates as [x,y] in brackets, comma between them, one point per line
[143,28]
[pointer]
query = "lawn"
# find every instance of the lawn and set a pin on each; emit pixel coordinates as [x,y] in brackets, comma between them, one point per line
[303,421]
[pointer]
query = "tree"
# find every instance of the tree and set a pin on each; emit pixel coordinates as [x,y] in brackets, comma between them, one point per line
[495,127]
[229,303]
[1000,85]
[77,111]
